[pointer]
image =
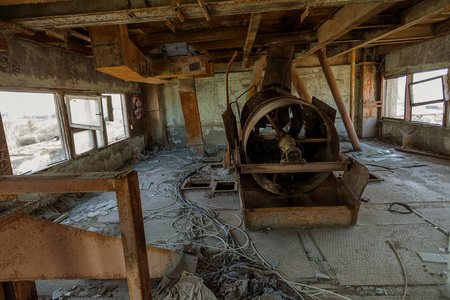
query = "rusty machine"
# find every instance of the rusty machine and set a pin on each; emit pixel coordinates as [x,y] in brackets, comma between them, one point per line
[286,154]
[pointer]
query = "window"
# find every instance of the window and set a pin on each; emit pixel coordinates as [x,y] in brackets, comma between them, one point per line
[115,117]
[86,123]
[96,121]
[425,101]
[427,97]
[395,97]
[33,132]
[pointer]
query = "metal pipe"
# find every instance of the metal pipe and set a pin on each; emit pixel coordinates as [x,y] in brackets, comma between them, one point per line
[299,86]
[338,99]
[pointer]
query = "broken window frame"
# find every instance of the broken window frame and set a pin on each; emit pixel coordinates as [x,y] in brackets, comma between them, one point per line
[75,127]
[409,100]
[124,116]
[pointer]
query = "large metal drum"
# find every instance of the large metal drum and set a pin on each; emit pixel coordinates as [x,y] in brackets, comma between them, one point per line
[278,127]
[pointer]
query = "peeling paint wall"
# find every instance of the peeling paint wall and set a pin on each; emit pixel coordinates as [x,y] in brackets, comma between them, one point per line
[211,97]
[430,55]
[425,137]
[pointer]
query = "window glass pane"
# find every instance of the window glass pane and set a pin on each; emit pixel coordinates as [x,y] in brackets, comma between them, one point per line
[32,130]
[115,129]
[83,141]
[429,74]
[430,90]
[395,97]
[85,112]
[429,113]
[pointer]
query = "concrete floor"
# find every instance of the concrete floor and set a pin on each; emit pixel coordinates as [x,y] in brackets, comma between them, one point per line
[356,262]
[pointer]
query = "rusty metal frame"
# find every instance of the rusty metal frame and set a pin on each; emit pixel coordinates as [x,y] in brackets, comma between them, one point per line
[32,248]
[293,168]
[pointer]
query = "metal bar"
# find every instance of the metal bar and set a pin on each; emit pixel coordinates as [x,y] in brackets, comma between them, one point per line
[299,86]
[338,99]
[293,168]
[133,237]
[58,183]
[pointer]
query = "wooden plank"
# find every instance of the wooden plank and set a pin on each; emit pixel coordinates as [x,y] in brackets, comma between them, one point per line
[346,19]
[255,19]
[191,114]
[133,237]
[5,162]
[420,12]
[19,2]
[352,85]
[75,18]
[204,9]
[16,28]
[282,38]
[190,36]
[293,168]
[25,290]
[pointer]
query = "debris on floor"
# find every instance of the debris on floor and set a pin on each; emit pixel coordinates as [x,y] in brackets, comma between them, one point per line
[234,263]
[186,287]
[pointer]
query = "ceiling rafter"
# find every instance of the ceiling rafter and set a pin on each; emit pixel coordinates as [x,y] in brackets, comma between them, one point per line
[160,14]
[255,19]
[346,19]
[420,12]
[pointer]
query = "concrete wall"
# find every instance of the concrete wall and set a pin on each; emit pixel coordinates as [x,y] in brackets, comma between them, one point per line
[425,137]
[211,97]
[430,55]
[31,67]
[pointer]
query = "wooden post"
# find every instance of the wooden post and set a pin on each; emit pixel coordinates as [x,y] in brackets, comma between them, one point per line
[339,101]
[188,97]
[258,68]
[133,237]
[352,86]
[299,86]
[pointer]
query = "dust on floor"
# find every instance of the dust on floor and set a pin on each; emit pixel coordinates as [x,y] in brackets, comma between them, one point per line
[354,262]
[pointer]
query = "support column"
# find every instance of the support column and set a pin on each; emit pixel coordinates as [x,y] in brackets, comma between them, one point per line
[299,86]
[339,101]
[133,237]
[352,85]
[188,97]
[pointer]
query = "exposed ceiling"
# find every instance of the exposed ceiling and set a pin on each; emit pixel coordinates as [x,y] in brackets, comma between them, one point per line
[216,29]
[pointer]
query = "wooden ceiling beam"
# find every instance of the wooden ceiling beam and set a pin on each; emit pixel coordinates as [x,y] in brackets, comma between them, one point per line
[255,19]
[415,15]
[346,19]
[262,40]
[213,34]
[19,2]
[73,18]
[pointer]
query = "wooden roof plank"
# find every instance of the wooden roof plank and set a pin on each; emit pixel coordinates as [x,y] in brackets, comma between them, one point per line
[255,19]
